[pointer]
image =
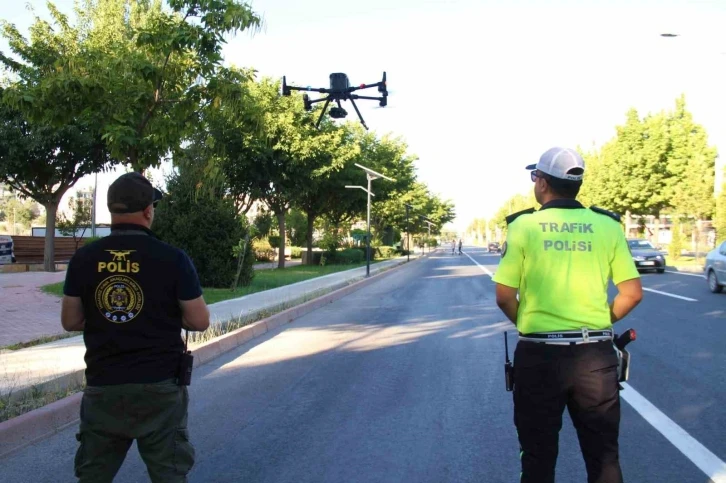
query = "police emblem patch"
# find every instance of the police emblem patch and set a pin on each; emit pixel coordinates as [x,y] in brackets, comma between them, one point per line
[119,298]
[504,248]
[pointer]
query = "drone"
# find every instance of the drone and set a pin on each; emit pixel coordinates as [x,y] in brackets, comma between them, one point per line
[340,90]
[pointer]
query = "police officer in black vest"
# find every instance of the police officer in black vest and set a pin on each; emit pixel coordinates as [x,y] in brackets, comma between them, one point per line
[131,295]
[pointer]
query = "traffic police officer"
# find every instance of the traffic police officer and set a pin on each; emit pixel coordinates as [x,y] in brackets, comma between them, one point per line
[559,260]
[131,295]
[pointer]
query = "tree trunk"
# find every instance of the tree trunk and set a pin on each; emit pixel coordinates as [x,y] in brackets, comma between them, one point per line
[51,208]
[241,261]
[309,238]
[281,248]
[656,238]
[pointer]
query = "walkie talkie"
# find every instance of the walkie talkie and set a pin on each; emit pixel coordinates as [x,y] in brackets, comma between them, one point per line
[508,367]
[186,364]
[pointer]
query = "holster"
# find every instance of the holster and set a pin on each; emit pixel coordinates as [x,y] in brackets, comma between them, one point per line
[623,365]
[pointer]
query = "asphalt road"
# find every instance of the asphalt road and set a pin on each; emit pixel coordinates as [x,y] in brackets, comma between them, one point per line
[402,381]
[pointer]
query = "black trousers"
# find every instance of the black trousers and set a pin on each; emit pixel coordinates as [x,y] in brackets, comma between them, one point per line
[583,378]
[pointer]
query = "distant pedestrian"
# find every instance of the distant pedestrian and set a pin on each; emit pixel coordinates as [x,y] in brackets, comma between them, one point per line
[459,246]
[131,295]
[453,247]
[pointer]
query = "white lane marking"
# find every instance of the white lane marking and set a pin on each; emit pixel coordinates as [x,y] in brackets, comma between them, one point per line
[687,274]
[687,299]
[699,455]
[484,269]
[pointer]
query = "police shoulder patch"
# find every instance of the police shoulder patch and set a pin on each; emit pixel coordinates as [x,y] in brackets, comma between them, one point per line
[516,215]
[605,212]
[504,249]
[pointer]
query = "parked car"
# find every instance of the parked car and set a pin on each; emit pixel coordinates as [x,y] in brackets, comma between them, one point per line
[715,268]
[494,247]
[646,256]
[7,254]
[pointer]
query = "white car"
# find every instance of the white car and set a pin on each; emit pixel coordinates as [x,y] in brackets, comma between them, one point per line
[715,268]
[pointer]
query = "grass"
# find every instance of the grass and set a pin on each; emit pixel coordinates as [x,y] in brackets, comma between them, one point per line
[40,340]
[53,289]
[33,399]
[264,280]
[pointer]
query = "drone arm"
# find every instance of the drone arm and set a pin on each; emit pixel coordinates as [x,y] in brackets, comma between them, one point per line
[307,89]
[320,100]
[354,96]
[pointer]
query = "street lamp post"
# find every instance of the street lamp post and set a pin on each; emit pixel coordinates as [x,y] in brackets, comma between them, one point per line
[408,235]
[93,206]
[370,175]
[429,223]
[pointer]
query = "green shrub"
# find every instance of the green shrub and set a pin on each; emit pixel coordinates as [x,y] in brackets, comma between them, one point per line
[349,256]
[274,241]
[385,251]
[206,226]
[677,242]
[296,252]
[263,250]
[247,273]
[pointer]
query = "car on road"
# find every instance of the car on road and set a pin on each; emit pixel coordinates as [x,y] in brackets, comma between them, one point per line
[715,268]
[646,256]
[494,247]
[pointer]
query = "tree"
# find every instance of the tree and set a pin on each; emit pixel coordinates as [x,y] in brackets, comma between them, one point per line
[42,162]
[79,219]
[296,227]
[720,216]
[691,164]
[141,70]
[203,223]
[271,151]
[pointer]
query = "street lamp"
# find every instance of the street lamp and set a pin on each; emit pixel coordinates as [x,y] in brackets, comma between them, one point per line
[370,175]
[408,234]
[429,223]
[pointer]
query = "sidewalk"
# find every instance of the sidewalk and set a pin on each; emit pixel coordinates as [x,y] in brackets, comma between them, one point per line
[48,362]
[26,313]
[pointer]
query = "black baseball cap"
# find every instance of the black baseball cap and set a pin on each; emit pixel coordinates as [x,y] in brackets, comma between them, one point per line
[131,192]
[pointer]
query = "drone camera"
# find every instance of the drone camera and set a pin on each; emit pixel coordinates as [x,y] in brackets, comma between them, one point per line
[338,113]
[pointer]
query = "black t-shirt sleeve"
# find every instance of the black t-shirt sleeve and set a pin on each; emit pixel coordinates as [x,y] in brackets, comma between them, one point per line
[188,287]
[72,286]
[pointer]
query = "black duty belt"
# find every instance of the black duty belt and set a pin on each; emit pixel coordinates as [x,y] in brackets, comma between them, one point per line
[583,336]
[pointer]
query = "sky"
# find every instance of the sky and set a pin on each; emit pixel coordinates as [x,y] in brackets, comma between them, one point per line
[479,89]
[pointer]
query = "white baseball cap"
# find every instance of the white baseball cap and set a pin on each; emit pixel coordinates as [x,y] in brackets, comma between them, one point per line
[558,161]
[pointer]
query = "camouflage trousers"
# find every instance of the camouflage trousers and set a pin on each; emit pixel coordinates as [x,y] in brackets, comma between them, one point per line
[112,417]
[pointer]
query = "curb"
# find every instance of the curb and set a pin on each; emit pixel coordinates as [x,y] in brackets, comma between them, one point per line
[36,425]
[687,269]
